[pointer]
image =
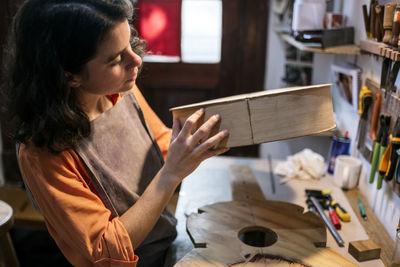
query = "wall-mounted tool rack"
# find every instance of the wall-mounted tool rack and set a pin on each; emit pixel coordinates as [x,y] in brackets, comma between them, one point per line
[389,105]
[380,49]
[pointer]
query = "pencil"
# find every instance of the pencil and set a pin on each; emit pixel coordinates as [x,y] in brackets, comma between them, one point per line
[362,211]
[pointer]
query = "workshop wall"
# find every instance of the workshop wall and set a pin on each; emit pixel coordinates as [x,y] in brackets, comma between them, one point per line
[384,202]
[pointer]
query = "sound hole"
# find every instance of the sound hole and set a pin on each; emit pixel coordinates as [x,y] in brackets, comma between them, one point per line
[257,236]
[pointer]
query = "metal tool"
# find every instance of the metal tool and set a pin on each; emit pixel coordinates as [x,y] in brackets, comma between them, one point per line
[371,137]
[271,173]
[328,223]
[334,218]
[382,134]
[383,160]
[366,21]
[394,145]
[365,103]
[324,198]
[340,211]
[397,172]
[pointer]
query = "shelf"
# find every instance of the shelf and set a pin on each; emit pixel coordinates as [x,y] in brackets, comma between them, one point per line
[343,49]
[380,49]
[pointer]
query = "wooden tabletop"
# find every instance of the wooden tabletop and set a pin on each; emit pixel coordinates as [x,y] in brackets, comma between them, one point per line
[210,183]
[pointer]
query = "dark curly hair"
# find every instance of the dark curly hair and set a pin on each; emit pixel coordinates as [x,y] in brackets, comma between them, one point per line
[47,39]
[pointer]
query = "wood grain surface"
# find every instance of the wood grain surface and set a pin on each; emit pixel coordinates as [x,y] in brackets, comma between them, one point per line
[372,226]
[269,115]
[293,236]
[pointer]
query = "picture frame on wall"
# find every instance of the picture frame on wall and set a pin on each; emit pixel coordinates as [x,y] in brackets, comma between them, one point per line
[347,80]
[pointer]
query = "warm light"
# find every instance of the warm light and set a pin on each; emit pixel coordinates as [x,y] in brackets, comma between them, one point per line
[153,22]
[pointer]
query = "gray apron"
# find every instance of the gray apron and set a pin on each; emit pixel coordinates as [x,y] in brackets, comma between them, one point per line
[122,158]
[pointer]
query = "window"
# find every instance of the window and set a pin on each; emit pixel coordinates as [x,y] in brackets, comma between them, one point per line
[201,31]
[194,37]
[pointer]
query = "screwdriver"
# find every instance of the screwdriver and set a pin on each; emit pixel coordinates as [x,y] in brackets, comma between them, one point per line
[340,211]
[334,218]
[332,213]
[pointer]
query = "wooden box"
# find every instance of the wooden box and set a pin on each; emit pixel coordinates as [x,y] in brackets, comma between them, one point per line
[269,115]
[364,250]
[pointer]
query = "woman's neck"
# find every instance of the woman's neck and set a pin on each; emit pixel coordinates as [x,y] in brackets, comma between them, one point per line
[94,105]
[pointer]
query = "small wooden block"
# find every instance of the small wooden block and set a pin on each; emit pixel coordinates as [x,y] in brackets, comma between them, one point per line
[364,250]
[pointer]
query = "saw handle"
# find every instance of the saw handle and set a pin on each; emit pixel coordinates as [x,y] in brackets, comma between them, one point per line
[375,115]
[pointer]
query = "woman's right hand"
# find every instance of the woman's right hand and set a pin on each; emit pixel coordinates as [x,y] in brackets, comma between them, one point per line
[186,150]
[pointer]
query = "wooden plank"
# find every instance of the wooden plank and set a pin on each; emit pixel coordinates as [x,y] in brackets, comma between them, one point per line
[244,184]
[376,232]
[269,115]
[284,116]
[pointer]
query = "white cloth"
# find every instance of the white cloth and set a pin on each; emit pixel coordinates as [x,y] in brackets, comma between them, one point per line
[304,165]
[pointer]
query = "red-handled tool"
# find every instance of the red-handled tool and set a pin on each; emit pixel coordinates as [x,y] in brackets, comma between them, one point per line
[334,218]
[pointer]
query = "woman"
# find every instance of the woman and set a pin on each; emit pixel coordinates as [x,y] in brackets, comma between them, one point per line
[89,146]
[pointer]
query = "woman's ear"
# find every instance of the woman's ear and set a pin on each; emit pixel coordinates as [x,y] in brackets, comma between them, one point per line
[73,80]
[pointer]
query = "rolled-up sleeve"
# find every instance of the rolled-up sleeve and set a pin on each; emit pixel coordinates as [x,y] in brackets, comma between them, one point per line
[75,216]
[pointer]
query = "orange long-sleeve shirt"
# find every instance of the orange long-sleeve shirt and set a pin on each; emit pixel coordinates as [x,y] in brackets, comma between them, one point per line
[75,216]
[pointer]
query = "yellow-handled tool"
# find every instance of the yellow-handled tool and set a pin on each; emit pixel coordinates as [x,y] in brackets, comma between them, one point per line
[340,211]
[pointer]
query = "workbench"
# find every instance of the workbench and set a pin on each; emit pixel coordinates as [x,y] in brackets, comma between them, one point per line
[210,183]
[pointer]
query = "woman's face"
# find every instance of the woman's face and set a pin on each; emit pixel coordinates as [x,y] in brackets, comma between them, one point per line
[114,68]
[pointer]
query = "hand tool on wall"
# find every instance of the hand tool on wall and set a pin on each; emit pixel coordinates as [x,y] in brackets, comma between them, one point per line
[372,18]
[375,115]
[365,101]
[395,28]
[390,88]
[377,153]
[388,21]
[379,31]
[397,172]
[386,68]
[366,21]
[328,223]
[384,159]
[371,137]
[394,146]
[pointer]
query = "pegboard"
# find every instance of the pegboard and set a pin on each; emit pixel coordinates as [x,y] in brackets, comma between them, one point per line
[390,104]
